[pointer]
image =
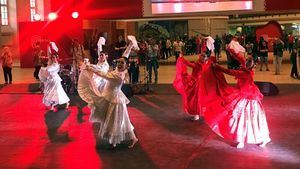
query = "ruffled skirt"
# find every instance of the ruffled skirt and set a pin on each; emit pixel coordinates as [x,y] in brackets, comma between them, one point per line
[54,93]
[115,125]
[110,112]
[84,87]
[245,123]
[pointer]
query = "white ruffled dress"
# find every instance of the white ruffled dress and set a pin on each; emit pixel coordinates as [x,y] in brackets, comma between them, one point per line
[92,84]
[109,108]
[54,93]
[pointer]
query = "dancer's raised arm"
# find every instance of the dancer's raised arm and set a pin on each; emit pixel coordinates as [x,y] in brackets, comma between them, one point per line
[186,62]
[227,71]
[105,75]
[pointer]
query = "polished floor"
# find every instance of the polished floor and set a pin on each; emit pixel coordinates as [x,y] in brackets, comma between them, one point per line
[33,137]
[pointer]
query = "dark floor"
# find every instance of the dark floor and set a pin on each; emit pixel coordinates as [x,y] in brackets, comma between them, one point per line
[167,139]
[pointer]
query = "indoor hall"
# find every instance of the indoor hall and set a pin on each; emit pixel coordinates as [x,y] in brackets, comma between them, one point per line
[32,136]
[167,138]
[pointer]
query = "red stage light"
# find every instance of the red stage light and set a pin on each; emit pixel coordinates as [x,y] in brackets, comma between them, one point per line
[52,16]
[75,15]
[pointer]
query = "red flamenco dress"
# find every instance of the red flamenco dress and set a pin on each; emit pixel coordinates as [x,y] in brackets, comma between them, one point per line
[244,120]
[189,85]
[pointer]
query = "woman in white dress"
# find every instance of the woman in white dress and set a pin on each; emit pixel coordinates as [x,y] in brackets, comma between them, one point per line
[54,93]
[92,83]
[110,108]
[102,65]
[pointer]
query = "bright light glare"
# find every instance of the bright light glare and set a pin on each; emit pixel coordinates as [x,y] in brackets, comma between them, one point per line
[75,15]
[248,5]
[37,17]
[52,16]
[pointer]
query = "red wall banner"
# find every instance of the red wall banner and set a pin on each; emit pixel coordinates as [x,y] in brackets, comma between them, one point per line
[61,32]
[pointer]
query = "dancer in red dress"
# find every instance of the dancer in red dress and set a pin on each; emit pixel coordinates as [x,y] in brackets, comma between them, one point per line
[244,119]
[189,85]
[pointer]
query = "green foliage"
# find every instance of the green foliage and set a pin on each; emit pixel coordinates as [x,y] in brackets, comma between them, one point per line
[153,31]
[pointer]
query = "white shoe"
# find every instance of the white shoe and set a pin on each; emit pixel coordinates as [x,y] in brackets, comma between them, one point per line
[240,145]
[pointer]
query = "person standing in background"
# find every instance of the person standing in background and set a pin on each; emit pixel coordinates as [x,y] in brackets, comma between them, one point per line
[294,71]
[198,44]
[249,48]
[142,52]
[37,60]
[178,48]
[263,53]
[120,47]
[291,42]
[77,52]
[93,49]
[217,45]
[7,62]
[78,55]
[168,48]
[152,60]
[278,53]
[164,52]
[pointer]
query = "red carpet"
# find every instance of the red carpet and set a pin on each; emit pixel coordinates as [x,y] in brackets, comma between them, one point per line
[20,88]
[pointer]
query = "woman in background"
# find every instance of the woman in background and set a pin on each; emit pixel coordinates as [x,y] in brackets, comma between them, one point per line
[263,54]
[293,58]
[7,62]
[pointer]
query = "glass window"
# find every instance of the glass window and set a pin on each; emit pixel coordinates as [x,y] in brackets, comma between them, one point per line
[32,9]
[4,12]
[32,3]
[3,2]
[32,14]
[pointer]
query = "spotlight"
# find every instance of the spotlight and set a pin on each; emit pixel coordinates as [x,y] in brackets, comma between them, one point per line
[75,15]
[52,16]
[37,17]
